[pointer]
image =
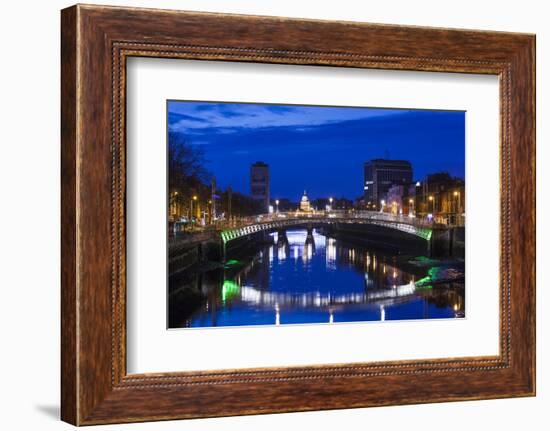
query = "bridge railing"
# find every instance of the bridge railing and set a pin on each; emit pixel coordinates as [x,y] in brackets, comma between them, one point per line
[398,218]
[334,214]
[240,222]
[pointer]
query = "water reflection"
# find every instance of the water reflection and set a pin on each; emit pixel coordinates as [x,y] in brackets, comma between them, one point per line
[305,277]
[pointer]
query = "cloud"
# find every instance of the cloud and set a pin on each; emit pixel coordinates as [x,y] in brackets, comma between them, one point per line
[193,117]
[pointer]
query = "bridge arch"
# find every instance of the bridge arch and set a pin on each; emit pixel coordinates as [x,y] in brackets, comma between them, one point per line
[227,235]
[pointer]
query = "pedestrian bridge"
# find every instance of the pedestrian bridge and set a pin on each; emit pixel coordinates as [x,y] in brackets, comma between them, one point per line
[280,221]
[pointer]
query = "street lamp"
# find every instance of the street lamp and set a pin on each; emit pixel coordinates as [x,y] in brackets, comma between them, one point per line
[330,201]
[194,198]
[382,205]
[277,203]
[431,199]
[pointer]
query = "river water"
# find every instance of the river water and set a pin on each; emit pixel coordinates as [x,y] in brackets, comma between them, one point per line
[315,279]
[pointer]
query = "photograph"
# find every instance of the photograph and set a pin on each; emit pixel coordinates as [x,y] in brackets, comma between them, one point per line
[283,214]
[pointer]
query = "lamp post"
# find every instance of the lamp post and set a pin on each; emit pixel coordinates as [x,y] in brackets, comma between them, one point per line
[193,199]
[330,203]
[277,203]
[382,205]
[432,200]
[174,211]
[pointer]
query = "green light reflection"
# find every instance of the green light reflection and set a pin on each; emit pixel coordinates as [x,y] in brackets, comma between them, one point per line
[229,290]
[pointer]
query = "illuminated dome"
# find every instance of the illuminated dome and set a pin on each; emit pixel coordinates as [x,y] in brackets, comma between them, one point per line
[304,203]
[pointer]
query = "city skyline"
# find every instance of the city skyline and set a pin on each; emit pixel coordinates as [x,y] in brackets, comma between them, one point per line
[314,215]
[305,145]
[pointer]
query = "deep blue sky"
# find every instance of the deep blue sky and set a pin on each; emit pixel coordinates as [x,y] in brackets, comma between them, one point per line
[318,149]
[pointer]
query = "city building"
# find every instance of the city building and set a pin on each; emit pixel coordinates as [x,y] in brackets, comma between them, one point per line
[380,175]
[442,196]
[395,198]
[305,206]
[284,205]
[259,183]
[410,202]
[400,199]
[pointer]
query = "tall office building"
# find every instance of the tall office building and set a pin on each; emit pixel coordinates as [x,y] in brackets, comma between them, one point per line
[259,183]
[381,174]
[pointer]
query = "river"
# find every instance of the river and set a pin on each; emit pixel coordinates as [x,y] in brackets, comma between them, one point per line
[314,279]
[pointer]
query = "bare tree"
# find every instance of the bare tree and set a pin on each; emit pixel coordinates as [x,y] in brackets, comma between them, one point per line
[185,162]
[187,175]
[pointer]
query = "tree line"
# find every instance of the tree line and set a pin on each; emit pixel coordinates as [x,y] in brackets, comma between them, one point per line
[188,177]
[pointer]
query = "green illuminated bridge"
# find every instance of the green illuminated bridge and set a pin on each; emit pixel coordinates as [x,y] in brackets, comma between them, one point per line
[400,234]
[281,221]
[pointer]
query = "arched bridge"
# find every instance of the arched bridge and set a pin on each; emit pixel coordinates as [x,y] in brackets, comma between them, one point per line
[274,222]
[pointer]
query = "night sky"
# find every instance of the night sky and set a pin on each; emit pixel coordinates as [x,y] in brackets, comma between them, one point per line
[318,149]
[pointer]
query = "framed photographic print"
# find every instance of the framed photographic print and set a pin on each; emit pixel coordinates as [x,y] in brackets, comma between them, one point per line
[277,255]
[324,214]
